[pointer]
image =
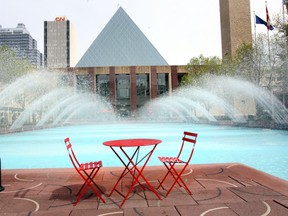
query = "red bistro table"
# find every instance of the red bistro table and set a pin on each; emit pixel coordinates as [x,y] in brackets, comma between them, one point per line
[133,160]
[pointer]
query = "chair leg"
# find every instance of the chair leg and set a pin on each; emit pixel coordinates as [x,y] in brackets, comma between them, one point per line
[88,176]
[177,178]
[87,182]
[167,173]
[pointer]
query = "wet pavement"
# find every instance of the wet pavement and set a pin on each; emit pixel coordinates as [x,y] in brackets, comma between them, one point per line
[218,189]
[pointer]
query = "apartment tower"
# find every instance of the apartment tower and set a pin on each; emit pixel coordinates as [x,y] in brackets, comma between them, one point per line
[22,43]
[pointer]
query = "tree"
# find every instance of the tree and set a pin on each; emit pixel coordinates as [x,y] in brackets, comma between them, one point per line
[199,66]
[10,66]
[258,62]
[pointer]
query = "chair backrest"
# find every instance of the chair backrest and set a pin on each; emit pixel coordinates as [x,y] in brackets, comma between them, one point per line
[71,153]
[189,138]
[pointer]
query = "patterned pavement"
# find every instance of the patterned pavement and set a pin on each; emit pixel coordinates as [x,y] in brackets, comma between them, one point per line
[218,189]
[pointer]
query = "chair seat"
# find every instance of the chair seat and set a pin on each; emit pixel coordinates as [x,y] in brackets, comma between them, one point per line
[170,160]
[188,144]
[90,165]
[87,171]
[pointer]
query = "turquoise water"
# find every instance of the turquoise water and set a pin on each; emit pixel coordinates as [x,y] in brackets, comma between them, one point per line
[263,149]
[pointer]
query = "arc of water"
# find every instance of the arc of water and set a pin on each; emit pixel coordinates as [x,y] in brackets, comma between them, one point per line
[199,94]
[266,99]
[69,109]
[11,91]
[65,101]
[164,106]
[198,107]
[178,109]
[76,105]
[80,109]
[47,99]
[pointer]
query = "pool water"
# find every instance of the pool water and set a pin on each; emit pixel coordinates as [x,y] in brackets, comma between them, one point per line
[263,149]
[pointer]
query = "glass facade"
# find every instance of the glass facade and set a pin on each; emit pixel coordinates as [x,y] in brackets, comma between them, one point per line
[103,85]
[162,83]
[82,83]
[123,94]
[127,89]
[143,89]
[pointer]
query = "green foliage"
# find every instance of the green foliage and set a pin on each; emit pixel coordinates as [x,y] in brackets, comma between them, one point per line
[10,66]
[260,63]
[249,62]
[200,66]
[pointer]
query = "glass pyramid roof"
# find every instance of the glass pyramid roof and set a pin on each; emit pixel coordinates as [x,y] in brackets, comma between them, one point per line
[121,43]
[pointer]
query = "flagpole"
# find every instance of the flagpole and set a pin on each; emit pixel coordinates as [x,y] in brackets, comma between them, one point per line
[254,26]
[268,28]
[285,5]
[283,11]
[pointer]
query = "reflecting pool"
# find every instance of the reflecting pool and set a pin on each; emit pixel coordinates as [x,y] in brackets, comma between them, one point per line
[263,149]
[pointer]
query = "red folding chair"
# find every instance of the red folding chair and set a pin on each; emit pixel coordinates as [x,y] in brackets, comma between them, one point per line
[87,171]
[188,143]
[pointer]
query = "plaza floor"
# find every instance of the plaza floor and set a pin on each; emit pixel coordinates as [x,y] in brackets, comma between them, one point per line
[218,189]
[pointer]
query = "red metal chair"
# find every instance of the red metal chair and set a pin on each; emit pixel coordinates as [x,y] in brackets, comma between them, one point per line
[87,171]
[188,144]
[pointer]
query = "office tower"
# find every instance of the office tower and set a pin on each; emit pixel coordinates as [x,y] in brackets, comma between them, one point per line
[235,21]
[22,43]
[60,44]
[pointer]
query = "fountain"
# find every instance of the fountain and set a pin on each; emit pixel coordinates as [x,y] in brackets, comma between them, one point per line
[38,103]
[218,98]
[88,119]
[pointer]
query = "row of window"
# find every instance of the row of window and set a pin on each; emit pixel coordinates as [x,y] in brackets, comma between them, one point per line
[123,91]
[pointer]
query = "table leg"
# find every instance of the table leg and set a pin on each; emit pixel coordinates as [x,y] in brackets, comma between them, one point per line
[124,171]
[139,173]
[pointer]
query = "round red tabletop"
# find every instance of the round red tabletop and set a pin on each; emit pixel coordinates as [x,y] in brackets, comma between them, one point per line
[132,142]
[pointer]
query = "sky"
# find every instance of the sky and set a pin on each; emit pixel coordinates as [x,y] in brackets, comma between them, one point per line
[179,30]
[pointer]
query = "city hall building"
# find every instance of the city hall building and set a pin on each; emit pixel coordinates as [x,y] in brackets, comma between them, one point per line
[123,66]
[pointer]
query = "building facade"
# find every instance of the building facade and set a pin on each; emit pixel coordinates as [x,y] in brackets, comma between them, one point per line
[60,43]
[22,43]
[235,21]
[127,87]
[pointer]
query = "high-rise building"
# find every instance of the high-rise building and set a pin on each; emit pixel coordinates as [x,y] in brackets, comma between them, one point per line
[24,46]
[60,43]
[235,21]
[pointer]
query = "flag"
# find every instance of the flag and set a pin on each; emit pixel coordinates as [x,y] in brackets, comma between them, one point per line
[269,26]
[261,21]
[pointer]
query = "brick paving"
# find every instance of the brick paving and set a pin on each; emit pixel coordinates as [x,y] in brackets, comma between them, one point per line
[218,189]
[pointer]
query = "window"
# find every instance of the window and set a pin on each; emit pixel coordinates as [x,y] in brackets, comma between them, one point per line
[142,88]
[162,83]
[82,83]
[103,85]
